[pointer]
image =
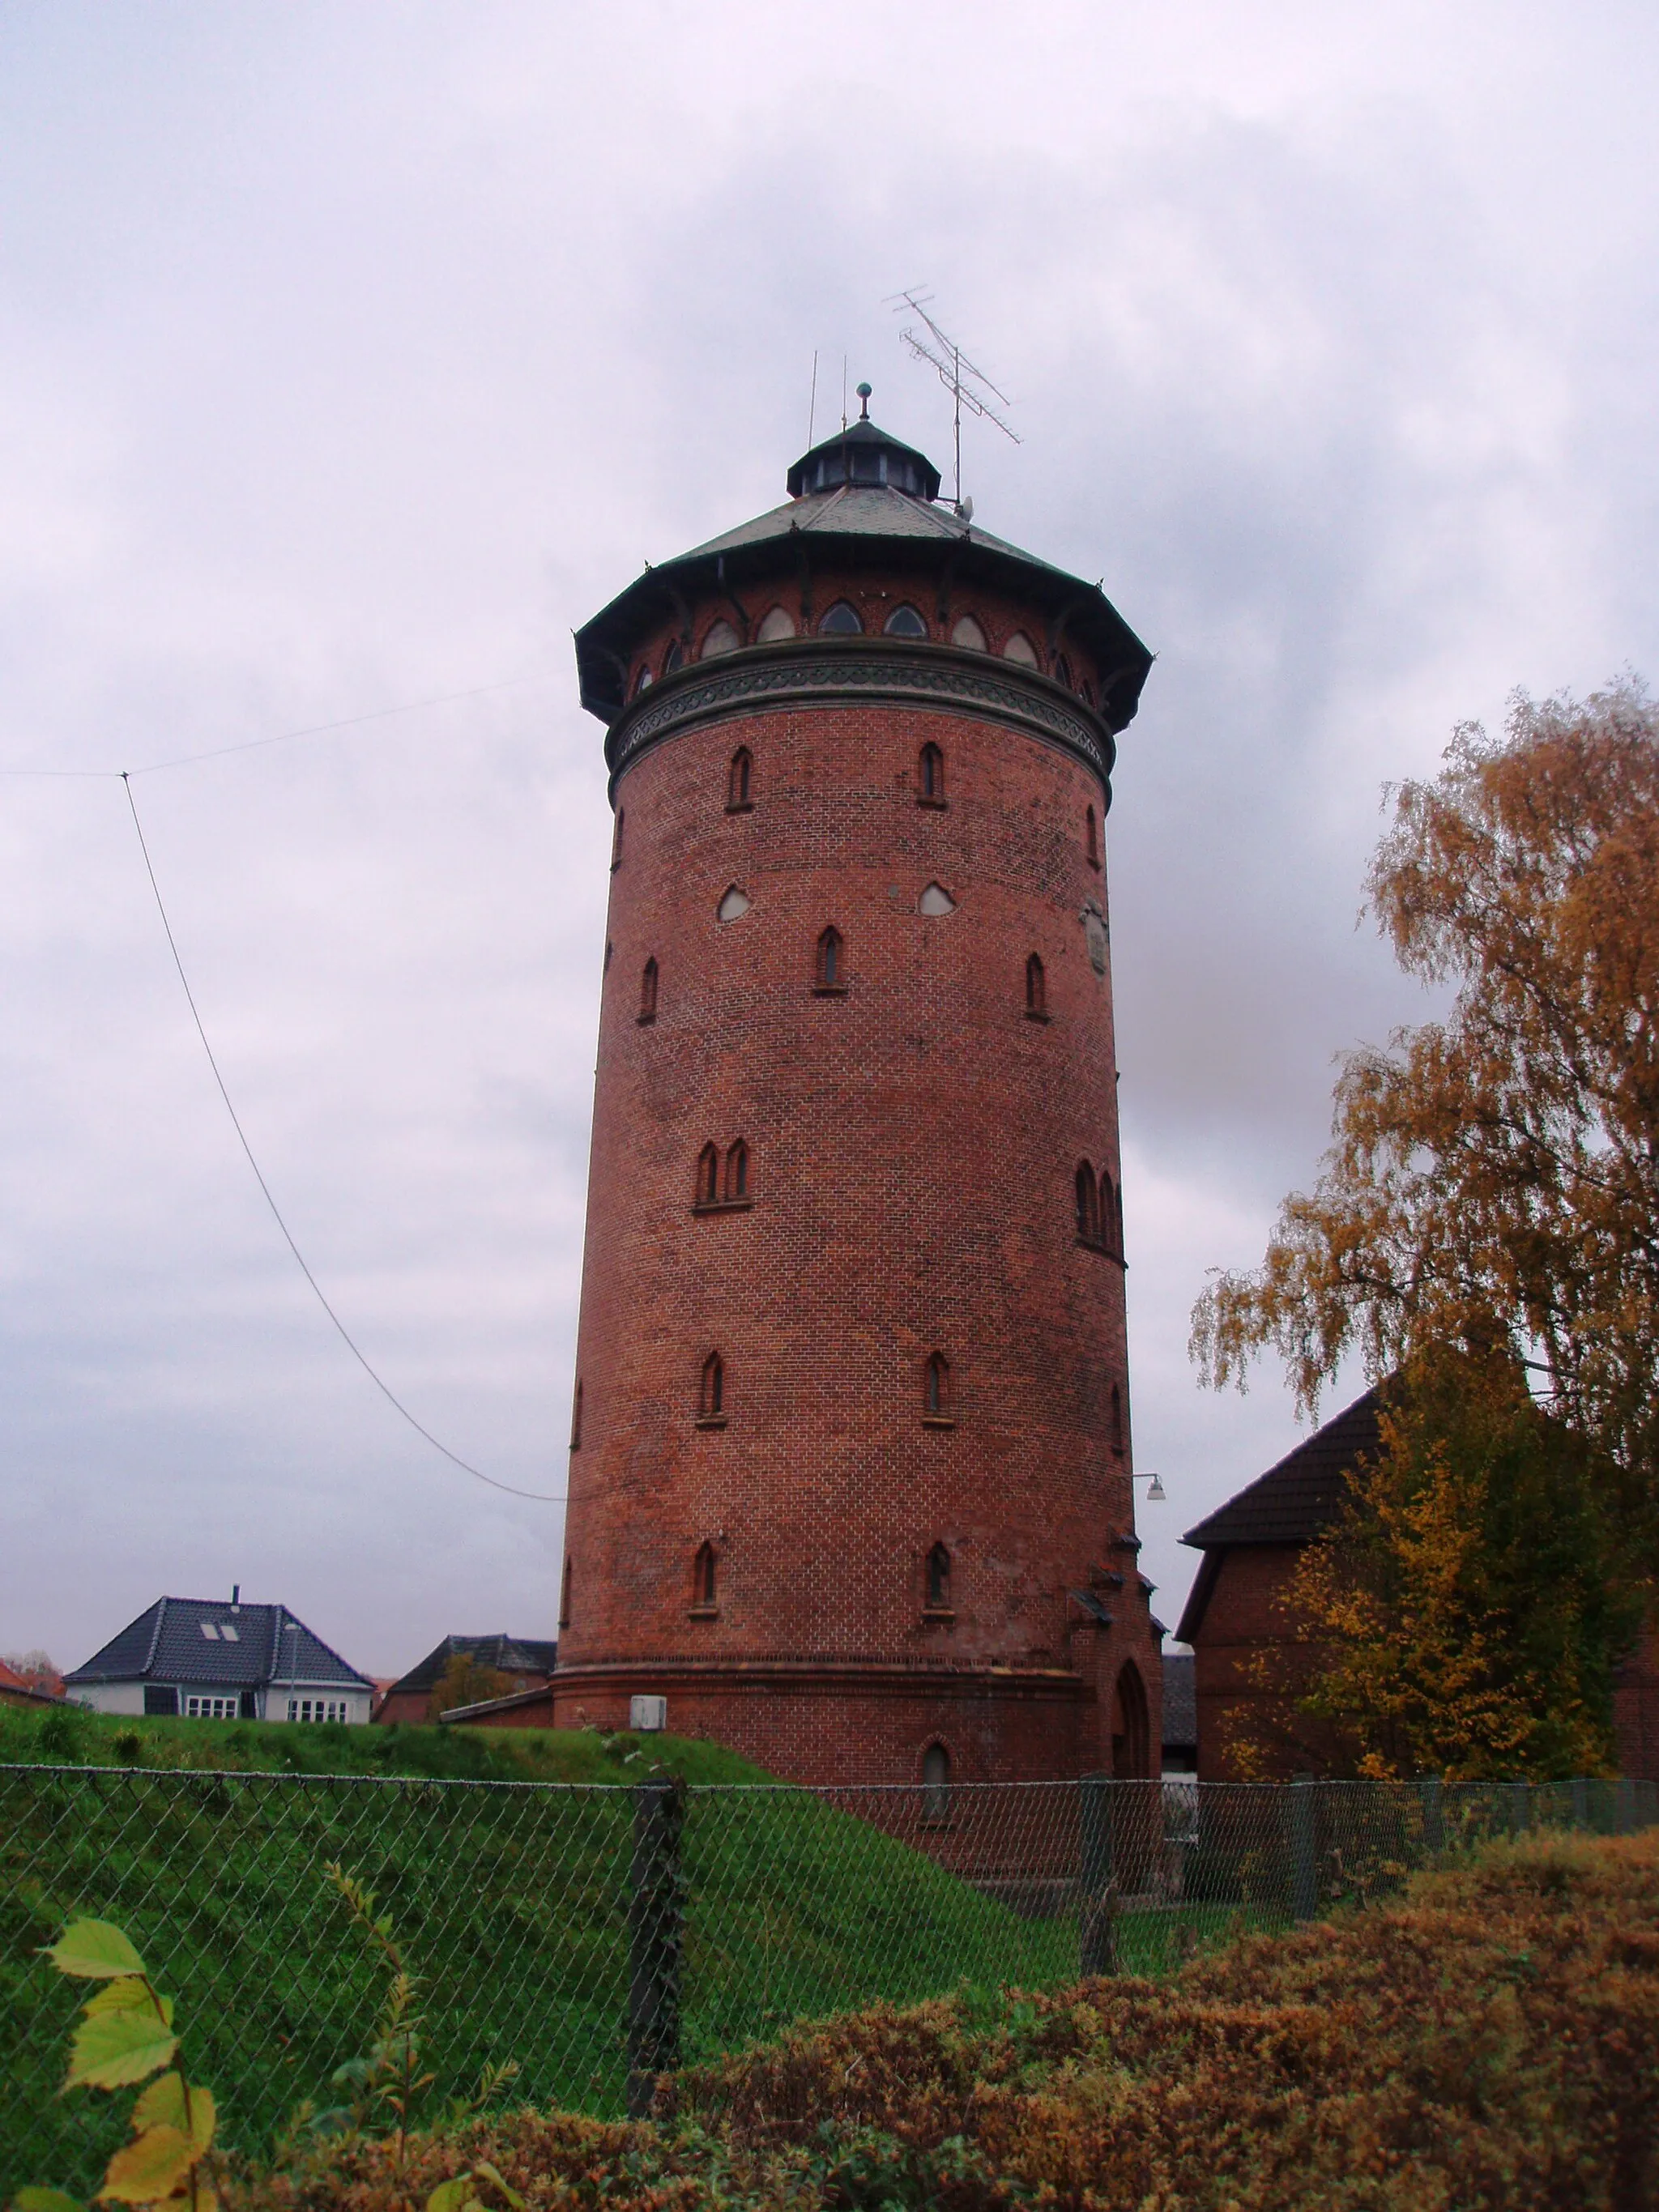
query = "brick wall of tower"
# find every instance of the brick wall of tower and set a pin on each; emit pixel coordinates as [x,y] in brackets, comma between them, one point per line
[912,1147]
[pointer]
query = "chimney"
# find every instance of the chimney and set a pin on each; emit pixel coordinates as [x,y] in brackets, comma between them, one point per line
[235,1595]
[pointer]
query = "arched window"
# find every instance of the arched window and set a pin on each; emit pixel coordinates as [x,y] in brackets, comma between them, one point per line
[936,901]
[1063,670]
[936,1389]
[705,1579]
[905,622]
[739,778]
[721,638]
[779,624]
[576,1419]
[830,974]
[673,659]
[1037,989]
[644,680]
[564,1593]
[1088,1205]
[969,635]
[708,1176]
[1117,1419]
[1132,1735]
[736,1172]
[1086,692]
[1019,647]
[617,840]
[938,1579]
[930,776]
[1111,1212]
[735,902]
[841,620]
[648,992]
[935,1784]
[1091,837]
[711,1389]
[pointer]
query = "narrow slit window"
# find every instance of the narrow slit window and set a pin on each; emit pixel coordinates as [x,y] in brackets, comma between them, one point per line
[736,1171]
[711,1389]
[564,1593]
[938,1579]
[617,840]
[1036,989]
[738,782]
[931,776]
[1117,1419]
[1110,1212]
[1091,838]
[830,971]
[936,1388]
[576,1420]
[705,1579]
[1088,1205]
[708,1176]
[648,992]
[935,1784]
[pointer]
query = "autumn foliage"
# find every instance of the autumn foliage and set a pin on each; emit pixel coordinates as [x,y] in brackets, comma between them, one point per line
[1492,2041]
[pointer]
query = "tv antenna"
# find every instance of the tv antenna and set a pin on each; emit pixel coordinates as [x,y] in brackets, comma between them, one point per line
[966,386]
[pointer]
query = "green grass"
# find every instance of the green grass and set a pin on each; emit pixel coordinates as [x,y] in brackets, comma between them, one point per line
[208,1844]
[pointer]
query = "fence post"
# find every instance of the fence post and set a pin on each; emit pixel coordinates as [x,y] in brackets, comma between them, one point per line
[1434,1818]
[1304,1851]
[1096,1889]
[655,1918]
[1518,1809]
[1580,1818]
[1625,1821]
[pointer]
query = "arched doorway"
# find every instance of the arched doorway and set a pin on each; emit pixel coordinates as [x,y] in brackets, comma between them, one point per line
[1132,1731]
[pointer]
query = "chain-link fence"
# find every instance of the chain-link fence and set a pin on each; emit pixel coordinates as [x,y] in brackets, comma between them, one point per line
[596,1934]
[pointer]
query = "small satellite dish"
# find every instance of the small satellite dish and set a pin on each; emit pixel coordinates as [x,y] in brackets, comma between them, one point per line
[965,508]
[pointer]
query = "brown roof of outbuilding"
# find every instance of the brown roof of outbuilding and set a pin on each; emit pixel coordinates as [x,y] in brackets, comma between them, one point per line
[1294,1500]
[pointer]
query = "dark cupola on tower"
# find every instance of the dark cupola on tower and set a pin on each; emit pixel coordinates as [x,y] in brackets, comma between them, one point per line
[850,1464]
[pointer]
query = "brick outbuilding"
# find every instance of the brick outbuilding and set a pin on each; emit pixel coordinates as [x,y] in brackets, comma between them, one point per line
[850,1452]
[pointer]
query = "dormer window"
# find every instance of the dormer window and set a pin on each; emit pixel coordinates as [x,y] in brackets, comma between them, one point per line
[841,620]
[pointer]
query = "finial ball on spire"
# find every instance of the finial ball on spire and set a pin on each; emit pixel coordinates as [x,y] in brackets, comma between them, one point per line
[863,391]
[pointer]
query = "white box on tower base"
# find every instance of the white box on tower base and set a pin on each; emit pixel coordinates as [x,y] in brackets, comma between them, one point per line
[647,1716]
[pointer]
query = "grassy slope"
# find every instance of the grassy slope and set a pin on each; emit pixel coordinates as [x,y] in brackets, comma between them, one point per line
[512,1904]
[1488,2045]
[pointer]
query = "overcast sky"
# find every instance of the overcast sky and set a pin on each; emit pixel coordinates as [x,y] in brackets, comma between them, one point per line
[352,355]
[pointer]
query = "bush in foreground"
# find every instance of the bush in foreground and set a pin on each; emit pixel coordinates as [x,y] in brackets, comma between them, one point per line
[1492,2041]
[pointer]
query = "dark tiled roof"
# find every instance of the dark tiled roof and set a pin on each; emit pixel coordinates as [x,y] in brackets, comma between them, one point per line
[166,1643]
[1293,1501]
[1180,1701]
[507,1655]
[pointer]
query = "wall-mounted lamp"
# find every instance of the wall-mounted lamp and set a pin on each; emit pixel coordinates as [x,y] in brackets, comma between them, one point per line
[1157,1493]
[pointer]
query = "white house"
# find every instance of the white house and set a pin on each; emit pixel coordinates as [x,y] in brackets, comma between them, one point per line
[205,1659]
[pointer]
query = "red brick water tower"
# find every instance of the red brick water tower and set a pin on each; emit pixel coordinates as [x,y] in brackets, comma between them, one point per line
[850,1460]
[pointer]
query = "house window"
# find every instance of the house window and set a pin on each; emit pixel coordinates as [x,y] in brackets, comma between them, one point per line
[969,635]
[778,625]
[576,1419]
[930,777]
[738,801]
[905,622]
[705,1580]
[1037,989]
[210,1708]
[230,1633]
[708,1176]
[616,842]
[1088,1205]
[841,620]
[564,1593]
[935,1784]
[829,972]
[1020,648]
[936,1390]
[721,638]
[648,992]
[159,1700]
[1091,838]
[209,1629]
[1117,1419]
[673,659]
[711,1391]
[736,1172]
[938,1579]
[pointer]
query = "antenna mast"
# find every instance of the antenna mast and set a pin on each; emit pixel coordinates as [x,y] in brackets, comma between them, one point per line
[966,384]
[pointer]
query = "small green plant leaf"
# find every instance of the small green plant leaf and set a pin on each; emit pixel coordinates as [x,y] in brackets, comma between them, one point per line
[45,2200]
[127,1995]
[162,2106]
[147,2171]
[114,2049]
[95,1950]
[485,2171]
[452,2195]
